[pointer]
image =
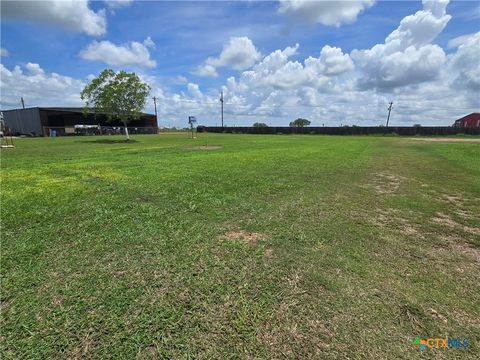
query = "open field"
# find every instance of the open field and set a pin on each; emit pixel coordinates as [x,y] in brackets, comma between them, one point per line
[260,247]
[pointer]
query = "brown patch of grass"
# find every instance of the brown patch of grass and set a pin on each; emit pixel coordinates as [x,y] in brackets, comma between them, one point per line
[464,214]
[455,245]
[154,351]
[436,315]
[144,199]
[286,335]
[457,200]
[268,252]
[391,218]
[466,318]
[94,177]
[249,237]
[206,147]
[57,301]
[446,140]
[409,230]
[468,250]
[294,281]
[387,183]
[446,220]
[84,349]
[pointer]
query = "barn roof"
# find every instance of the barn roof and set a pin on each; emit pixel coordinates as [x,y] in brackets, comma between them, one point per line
[65,109]
[472,116]
[76,110]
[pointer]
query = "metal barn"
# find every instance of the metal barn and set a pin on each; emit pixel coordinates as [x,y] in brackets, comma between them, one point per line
[41,121]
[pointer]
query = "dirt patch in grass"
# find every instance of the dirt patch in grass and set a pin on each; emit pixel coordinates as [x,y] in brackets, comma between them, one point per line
[456,200]
[292,334]
[468,250]
[392,218]
[457,245]
[447,140]
[436,315]
[464,317]
[145,199]
[409,230]
[206,147]
[446,220]
[386,183]
[249,237]
[459,202]
[109,141]
[464,214]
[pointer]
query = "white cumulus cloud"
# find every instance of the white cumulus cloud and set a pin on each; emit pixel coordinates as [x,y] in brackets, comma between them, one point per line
[332,61]
[407,56]
[239,54]
[73,15]
[206,70]
[325,12]
[194,90]
[132,53]
[466,63]
[277,71]
[38,88]
[460,40]
[34,69]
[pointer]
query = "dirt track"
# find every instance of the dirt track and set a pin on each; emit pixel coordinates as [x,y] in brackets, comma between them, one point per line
[439,139]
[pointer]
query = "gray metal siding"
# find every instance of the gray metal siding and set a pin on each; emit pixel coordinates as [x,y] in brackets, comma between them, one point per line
[24,121]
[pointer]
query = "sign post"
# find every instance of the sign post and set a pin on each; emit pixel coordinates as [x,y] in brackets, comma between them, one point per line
[192,120]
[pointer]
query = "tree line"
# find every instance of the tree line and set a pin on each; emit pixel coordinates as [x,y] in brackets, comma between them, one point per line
[295,123]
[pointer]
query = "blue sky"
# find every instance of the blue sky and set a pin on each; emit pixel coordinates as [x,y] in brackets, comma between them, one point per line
[190,51]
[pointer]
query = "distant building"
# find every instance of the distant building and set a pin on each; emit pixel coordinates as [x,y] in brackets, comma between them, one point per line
[40,121]
[471,120]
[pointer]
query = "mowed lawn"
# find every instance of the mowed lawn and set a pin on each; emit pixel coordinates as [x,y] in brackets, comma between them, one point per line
[283,246]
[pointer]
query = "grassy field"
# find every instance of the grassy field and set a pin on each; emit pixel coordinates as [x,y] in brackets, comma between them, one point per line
[268,247]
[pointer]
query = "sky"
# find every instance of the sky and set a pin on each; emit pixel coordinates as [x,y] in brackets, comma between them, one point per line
[332,62]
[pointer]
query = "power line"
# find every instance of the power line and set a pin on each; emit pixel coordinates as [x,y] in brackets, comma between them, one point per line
[389,111]
[221,101]
[155,104]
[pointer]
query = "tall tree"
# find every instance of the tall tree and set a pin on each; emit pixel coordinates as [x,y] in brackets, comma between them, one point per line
[120,96]
[259,124]
[300,122]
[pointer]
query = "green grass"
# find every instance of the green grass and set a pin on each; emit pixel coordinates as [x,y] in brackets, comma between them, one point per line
[128,250]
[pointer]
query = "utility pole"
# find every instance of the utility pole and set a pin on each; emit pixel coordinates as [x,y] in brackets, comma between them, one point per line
[389,111]
[221,101]
[155,104]
[23,103]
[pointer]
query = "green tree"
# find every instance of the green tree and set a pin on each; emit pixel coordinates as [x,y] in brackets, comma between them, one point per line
[257,124]
[119,95]
[300,123]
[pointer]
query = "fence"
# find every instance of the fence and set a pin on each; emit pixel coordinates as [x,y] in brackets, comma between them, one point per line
[346,130]
[86,130]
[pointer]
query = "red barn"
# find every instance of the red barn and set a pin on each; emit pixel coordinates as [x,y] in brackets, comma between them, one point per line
[472,120]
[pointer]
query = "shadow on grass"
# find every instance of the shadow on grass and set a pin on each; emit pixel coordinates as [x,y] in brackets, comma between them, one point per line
[108,141]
